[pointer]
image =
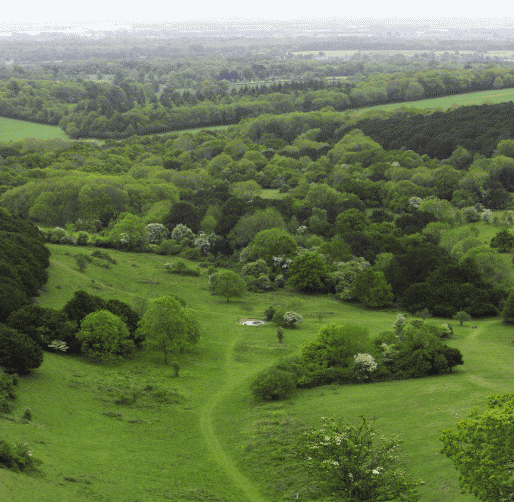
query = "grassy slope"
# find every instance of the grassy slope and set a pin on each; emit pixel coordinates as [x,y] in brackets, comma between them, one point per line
[213,442]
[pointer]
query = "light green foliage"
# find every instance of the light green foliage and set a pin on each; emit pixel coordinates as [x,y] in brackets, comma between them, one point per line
[354,147]
[181,232]
[168,327]
[441,209]
[346,273]
[272,242]
[492,268]
[250,225]
[481,448]
[462,316]
[505,147]
[246,189]
[228,284]
[273,384]
[355,463]
[104,336]
[129,233]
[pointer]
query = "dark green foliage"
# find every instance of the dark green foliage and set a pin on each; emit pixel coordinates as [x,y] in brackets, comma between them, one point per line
[329,357]
[503,241]
[451,288]
[372,289]
[508,309]
[269,312]
[102,255]
[23,263]
[419,352]
[308,273]
[475,128]
[18,353]
[17,457]
[82,304]
[42,324]
[273,384]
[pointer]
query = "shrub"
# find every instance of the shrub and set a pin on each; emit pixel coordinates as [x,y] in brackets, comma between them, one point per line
[269,313]
[180,267]
[364,367]
[168,247]
[82,239]
[273,384]
[286,319]
[18,352]
[17,458]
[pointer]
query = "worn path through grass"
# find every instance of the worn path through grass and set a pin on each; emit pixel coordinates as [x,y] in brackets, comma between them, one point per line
[234,377]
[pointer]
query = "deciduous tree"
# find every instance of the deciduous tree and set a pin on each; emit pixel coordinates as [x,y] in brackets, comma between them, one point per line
[482,449]
[355,463]
[167,327]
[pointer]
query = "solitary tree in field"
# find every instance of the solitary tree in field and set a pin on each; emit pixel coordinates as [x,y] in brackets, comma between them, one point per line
[228,284]
[462,316]
[168,327]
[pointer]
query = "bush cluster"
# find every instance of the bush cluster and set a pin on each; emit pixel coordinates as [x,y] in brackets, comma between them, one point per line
[180,267]
[17,457]
[346,354]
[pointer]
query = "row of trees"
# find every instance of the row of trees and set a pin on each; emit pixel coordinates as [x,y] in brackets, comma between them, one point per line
[124,108]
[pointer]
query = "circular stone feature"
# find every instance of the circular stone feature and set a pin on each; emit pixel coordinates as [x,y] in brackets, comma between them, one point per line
[253,323]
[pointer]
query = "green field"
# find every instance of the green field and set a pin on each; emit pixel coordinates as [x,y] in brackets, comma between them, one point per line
[468,99]
[201,437]
[12,129]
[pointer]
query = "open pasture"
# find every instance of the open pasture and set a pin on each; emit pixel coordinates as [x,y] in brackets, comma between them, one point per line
[13,129]
[201,436]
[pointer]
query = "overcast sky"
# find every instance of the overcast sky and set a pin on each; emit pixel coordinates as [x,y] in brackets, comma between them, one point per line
[102,13]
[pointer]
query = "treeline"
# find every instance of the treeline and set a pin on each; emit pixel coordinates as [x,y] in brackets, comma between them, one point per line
[478,129]
[125,108]
[23,263]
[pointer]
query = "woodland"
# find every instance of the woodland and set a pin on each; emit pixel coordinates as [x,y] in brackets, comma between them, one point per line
[292,187]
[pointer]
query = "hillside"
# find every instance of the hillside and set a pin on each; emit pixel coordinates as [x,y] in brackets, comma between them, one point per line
[200,436]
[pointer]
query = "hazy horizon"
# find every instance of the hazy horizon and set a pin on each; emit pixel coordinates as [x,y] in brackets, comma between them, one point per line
[101,16]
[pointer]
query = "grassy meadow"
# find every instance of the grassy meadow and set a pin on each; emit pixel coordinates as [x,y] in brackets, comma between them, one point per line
[131,431]
[15,130]
[468,99]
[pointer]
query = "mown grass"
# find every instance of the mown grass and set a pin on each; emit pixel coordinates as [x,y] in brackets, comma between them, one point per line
[15,130]
[201,436]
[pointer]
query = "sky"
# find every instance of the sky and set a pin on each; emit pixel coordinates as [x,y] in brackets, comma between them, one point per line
[102,14]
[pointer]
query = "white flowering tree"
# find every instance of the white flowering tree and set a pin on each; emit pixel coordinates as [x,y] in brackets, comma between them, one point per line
[355,463]
[364,366]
